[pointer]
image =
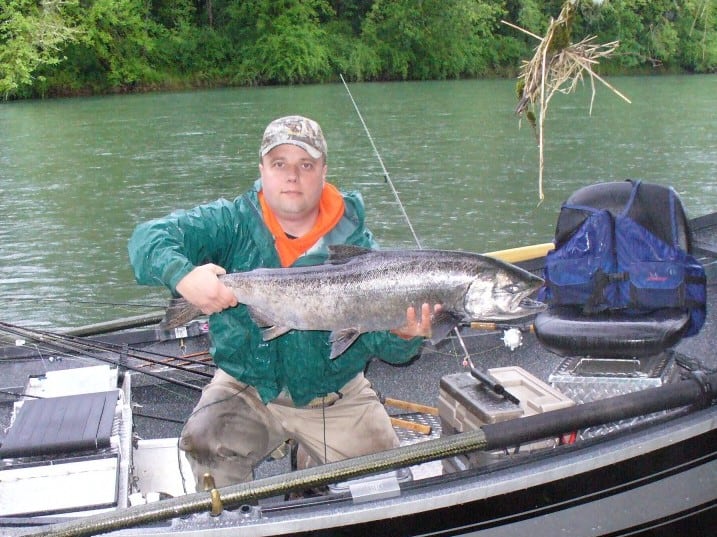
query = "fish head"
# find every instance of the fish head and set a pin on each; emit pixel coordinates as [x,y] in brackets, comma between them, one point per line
[502,293]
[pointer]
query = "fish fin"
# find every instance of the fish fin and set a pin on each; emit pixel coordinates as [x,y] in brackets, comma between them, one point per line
[340,253]
[263,321]
[274,332]
[260,319]
[342,340]
[179,312]
[441,325]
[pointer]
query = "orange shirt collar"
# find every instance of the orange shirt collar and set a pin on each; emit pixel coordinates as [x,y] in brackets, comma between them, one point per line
[331,209]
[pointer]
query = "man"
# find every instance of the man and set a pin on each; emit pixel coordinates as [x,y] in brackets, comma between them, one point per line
[264,393]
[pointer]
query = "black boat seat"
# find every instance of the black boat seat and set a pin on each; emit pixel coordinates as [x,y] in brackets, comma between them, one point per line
[649,209]
[568,331]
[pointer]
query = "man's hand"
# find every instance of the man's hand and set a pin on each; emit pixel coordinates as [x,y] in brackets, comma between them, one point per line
[414,326]
[202,288]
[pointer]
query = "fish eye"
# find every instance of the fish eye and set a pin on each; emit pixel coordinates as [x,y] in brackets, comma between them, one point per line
[512,288]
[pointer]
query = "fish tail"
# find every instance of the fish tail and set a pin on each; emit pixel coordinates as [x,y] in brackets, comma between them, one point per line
[179,312]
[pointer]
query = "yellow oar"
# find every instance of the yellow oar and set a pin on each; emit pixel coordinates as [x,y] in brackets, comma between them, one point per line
[522,253]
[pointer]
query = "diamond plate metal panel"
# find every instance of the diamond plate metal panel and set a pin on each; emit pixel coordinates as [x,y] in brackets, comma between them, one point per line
[590,379]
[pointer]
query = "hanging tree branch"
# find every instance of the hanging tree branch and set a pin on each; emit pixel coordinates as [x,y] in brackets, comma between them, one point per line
[558,65]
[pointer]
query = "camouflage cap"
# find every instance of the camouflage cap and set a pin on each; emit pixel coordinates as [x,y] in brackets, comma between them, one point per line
[297,130]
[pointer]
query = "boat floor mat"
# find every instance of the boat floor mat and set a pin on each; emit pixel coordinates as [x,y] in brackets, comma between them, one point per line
[61,425]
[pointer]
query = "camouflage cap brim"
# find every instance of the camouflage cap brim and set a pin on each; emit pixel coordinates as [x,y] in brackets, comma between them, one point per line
[297,130]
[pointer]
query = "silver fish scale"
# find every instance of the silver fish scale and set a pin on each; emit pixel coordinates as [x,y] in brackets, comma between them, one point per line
[360,291]
[363,297]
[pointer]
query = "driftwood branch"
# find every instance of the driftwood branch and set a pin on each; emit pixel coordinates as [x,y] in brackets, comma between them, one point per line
[557,66]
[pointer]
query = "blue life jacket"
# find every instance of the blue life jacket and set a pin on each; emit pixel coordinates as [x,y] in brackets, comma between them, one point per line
[612,261]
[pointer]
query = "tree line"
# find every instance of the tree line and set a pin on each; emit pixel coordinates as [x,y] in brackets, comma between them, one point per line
[80,47]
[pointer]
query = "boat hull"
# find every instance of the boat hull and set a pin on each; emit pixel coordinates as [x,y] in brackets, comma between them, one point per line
[657,476]
[608,488]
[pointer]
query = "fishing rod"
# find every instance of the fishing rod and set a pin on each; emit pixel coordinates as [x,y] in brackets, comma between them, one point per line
[691,393]
[86,302]
[386,176]
[152,357]
[494,386]
[83,345]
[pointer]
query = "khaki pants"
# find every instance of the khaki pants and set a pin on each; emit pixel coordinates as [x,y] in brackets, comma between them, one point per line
[231,430]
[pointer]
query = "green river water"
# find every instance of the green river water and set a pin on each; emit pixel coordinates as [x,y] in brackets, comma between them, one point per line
[76,175]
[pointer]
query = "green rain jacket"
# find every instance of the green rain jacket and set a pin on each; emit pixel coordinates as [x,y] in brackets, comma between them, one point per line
[233,235]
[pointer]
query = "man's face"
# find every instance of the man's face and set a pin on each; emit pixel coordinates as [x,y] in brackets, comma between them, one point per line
[292,182]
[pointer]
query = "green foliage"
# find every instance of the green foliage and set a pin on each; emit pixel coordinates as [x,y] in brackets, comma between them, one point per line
[50,47]
[352,13]
[32,36]
[656,34]
[431,39]
[190,53]
[350,56]
[697,36]
[121,35]
[531,17]
[282,42]
[172,14]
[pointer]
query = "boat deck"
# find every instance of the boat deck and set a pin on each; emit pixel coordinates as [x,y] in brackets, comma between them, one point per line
[418,381]
[160,408]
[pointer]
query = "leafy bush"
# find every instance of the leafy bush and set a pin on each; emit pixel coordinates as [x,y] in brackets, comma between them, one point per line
[53,47]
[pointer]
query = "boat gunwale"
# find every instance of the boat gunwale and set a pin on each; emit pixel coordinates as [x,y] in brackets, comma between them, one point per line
[434,494]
